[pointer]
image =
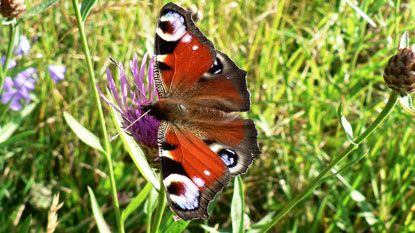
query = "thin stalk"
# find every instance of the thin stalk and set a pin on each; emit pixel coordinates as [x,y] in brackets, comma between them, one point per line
[316,181]
[161,205]
[107,144]
[12,37]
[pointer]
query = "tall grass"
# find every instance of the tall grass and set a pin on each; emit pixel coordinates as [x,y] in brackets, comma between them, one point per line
[304,59]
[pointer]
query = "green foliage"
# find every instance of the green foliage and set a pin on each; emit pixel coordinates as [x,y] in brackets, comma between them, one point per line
[302,58]
[100,221]
[86,8]
[83,133]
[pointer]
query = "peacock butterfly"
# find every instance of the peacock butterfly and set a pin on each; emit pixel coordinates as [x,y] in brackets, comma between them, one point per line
[202,142]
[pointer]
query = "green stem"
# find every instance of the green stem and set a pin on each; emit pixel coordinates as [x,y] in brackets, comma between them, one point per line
[160,208]
[316,181]
[100,113]
[12,37]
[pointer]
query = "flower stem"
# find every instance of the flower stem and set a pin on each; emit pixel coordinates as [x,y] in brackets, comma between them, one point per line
[12,37]
[100,113]
[161,204]
[316,181]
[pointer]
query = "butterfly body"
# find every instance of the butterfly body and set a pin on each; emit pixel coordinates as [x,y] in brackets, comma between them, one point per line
[202,140]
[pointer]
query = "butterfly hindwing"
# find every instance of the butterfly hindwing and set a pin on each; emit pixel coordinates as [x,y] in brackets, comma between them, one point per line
[192,173]
[232,138]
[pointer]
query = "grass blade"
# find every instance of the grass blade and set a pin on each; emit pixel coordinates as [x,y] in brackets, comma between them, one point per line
[136,202]
[38,9]
[161,205]
[238,206]
[25,226]
[9,128]
[101,224]
[83,133]
[169,225]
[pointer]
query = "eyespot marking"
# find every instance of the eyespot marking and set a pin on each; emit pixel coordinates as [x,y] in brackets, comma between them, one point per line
[217,67]
[229,157]
[171,26]
[183,193]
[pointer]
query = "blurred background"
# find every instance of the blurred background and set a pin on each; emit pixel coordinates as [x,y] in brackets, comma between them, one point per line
[303,58]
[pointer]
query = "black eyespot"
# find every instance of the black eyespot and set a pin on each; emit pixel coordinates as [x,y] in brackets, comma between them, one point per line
[229,157]
[163,66]
[166,27]
[208,142]
[167,146]
[176,188]
[216,68]
[163,46]
[170,166]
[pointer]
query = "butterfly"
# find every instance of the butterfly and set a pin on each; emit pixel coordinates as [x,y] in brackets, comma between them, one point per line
[201,141]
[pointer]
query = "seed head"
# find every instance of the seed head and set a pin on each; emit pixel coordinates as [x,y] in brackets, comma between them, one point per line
[12,8]
[399,73]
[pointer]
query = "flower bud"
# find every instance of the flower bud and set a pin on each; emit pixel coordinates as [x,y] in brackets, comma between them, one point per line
[399,73]
[12,8]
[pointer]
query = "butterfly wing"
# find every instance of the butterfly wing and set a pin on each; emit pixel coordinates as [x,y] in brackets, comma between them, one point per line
[234,140]
[192,173]
[187,63]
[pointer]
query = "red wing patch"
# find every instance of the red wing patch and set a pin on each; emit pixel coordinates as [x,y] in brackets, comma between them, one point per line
[192,173]
[183,53]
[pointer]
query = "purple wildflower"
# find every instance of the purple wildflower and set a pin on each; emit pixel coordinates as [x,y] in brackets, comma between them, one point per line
[130,100]
[11,65]
[23,47]
[57,72]
[16,91]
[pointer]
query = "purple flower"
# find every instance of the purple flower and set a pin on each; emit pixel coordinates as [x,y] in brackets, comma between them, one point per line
[23,47]
[16,91]
[57,72]
[129,101]
[11,65]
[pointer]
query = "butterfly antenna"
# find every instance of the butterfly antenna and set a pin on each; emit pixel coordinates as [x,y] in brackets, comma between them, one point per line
[132,123]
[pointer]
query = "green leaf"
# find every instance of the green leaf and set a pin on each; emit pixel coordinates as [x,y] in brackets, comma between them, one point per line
[262,224]
[238,206]
[169,225]
[83,133]
[211,229]
[25,226]
[136,202]
[404,43]
[361,13]
[86,8]
[347,127]
[135,152]
[101,224]
[10,127]
[38,9]
[406,103]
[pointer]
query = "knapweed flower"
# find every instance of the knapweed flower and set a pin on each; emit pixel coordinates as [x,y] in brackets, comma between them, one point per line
[16,91]
[23,46]
[130,100]
[399,73]
[12,8]
[57,72]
